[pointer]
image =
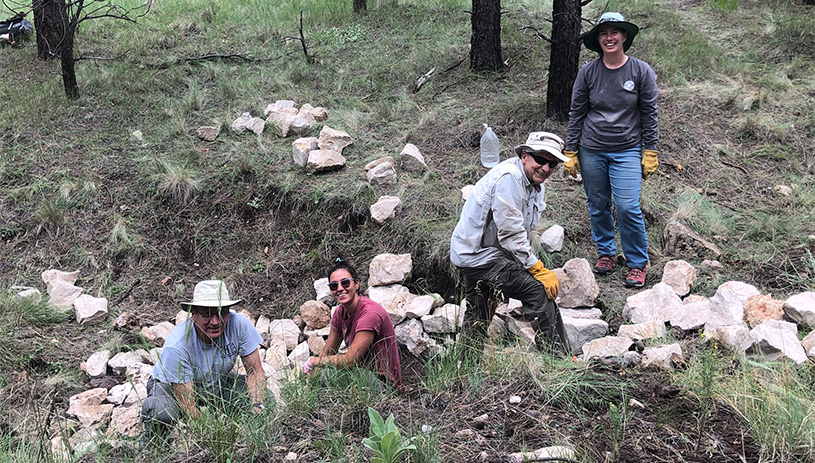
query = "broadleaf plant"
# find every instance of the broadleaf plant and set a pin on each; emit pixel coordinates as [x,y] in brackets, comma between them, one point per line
[385,439]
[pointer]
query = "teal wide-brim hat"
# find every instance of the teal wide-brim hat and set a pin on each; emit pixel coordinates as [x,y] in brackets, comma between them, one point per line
[616,20]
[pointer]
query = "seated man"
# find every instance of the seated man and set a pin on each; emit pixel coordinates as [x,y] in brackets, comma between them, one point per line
[492,248]
[197,360]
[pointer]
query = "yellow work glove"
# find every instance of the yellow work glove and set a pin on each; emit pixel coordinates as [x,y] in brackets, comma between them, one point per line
[547,278]
[649,162]
[572,166]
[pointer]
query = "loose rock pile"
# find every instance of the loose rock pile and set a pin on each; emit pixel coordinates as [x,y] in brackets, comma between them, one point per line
[737,316]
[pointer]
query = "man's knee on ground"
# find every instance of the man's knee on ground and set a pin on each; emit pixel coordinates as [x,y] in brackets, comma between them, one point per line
[153,410]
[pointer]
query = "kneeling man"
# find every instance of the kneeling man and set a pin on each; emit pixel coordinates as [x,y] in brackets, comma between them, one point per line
[196,363]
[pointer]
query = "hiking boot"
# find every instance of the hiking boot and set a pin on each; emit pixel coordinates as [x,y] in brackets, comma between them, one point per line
[635,278]
[604,265]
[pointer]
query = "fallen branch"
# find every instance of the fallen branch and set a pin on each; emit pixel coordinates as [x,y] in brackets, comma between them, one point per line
[421,80]
[126,293]
[237,57]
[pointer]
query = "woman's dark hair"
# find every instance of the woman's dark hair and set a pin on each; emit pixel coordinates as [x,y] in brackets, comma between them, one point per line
[340,263]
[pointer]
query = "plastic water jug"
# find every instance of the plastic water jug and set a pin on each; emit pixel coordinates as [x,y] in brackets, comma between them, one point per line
[490,148]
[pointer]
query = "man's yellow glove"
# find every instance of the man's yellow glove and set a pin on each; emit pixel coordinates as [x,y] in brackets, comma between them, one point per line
[649,162]
[547,278]
[572,166]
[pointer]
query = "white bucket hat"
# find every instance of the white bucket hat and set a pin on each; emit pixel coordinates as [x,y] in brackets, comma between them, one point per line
[543,141]
[211,293]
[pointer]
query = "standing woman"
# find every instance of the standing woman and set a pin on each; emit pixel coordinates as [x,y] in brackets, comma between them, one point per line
[612,135]
[365,327]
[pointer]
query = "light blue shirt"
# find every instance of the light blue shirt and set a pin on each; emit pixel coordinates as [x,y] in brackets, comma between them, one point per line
[498,217]
[185,357]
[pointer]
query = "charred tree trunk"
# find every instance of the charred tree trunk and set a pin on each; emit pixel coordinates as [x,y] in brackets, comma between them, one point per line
[564,58]
[50,20]
[485,43]
[360,5]
[67,58]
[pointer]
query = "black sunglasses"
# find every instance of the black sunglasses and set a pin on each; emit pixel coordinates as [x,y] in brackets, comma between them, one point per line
[345,282]
[209,312]
[542,160]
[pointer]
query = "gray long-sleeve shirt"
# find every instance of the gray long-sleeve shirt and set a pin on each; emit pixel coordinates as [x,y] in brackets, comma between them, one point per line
[498,217]
[614,109]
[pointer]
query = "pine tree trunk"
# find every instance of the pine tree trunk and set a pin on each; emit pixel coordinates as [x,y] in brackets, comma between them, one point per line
[564,58]
[50,20]
[68,71]
[485,43]
[360,5]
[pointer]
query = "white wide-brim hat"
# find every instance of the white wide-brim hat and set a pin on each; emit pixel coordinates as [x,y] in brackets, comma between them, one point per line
[543,141]
[211,293]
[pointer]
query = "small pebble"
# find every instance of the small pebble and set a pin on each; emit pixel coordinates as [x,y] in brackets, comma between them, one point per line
[514,399]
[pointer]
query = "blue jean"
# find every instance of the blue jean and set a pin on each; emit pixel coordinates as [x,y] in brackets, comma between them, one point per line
[616,174]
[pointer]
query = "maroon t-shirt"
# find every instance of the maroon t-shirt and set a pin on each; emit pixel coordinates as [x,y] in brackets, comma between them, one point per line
[383,355]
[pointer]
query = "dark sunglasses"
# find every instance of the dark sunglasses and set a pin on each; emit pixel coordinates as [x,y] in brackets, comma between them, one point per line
[209,312]
[543,161]
[345,282]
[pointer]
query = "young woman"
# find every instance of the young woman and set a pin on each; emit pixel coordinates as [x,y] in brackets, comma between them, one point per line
[612,136]
[364,326]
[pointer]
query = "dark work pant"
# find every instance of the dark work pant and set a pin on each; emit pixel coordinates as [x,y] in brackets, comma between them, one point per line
[485,287]
[160,406]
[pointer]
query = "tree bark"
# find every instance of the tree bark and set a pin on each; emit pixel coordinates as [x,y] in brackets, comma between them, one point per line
[485,42]
[360,5]
[50,20]
[67,61]
[564,58]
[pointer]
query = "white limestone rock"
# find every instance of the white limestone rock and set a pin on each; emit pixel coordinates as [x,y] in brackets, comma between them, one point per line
[385,208]
[411,334]
[662,357]
[299,354]
[286,330]
[420,306]
[657,303]
[412,159]
[61,296]
[87,407]
[125,421]
[695,312]
[242,122]
[578,288]
[727,305]
[593,313]
[522,329]
[52,277]
[332,139]
[609,346]
[775,340]
[445,319]
[737,338]
[382,174]
[580,331]
[647,330]
[387,269]
[551,239]
[90,310]
[315,314]
[680,276]
[301,148]
[97,364]
[801,308]
[324,160]
[321,291]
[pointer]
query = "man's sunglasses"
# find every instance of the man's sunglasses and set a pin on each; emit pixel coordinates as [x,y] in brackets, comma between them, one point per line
[209,312]
[542,160]
[345,282]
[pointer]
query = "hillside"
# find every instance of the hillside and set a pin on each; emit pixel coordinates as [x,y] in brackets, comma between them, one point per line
[144,218]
